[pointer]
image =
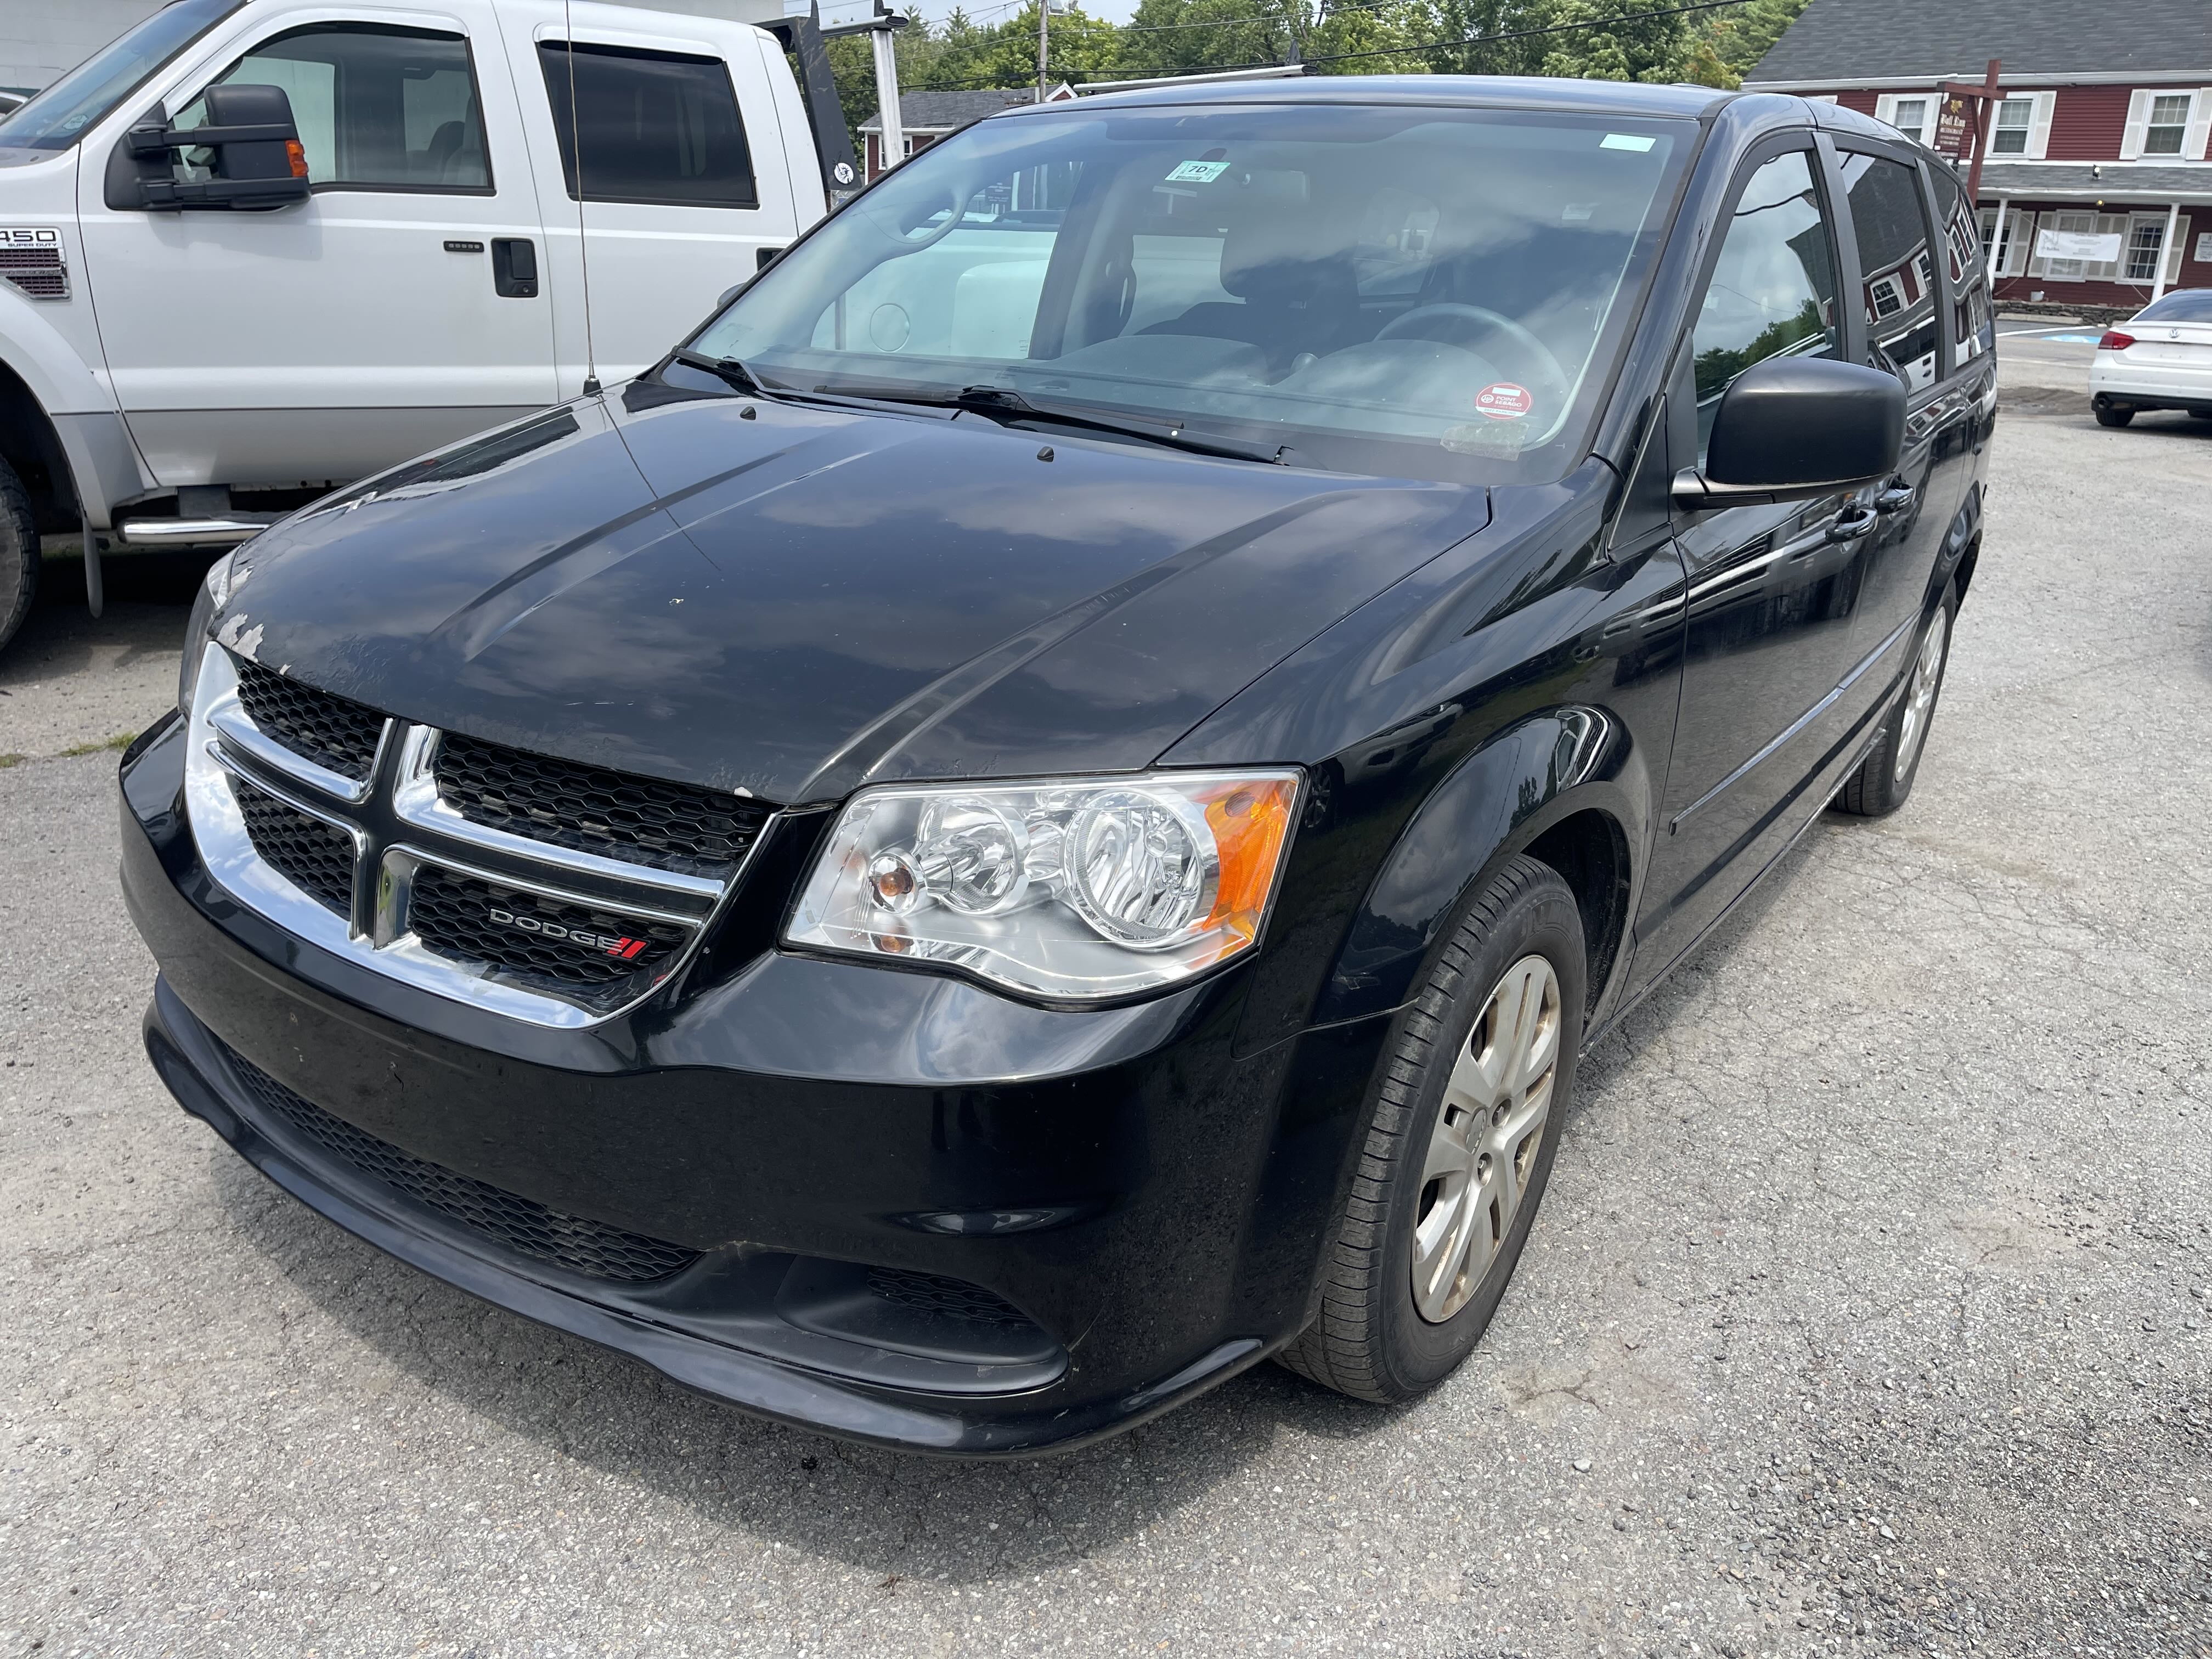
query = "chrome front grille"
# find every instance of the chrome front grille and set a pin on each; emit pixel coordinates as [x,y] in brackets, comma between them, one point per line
[589,809]
[562,909]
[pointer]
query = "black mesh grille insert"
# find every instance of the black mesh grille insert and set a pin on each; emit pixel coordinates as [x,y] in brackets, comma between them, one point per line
[671,826]
[521,1225]
[951,1299]
[38,271]
[327,729]
[306,852]
[598,957]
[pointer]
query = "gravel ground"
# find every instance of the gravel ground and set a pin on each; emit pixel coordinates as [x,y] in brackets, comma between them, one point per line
[1867,1314]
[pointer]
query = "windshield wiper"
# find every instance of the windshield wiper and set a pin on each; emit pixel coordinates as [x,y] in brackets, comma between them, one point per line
[728,370]
[1010,407]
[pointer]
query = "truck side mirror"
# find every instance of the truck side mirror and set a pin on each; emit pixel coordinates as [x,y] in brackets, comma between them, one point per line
[1792,428]
[258,159]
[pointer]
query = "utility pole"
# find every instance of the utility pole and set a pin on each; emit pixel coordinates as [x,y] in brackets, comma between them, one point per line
[1044,36]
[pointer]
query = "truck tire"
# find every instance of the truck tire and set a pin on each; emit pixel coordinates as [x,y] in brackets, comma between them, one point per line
[19,554]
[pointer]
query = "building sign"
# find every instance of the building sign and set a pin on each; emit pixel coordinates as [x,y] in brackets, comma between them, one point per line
[1953,125]
[2204,248]
[2078,245]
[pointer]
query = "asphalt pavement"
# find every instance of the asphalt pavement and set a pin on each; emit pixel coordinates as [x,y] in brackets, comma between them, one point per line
[1867,1313]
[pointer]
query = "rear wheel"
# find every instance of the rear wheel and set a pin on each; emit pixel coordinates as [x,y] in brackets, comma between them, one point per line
[1885,778]
[19,554]
[1462,1127]
[2108,415]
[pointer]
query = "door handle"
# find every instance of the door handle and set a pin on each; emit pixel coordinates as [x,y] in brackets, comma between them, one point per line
[1851,524]
[1896,498]
[514,267]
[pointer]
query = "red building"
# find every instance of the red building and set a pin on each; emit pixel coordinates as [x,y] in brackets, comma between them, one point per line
[2096,190]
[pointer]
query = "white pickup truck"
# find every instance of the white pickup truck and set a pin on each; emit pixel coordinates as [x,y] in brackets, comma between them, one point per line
[255,248]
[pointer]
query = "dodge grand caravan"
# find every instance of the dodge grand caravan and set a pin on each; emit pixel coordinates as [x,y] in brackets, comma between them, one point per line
[1041,812]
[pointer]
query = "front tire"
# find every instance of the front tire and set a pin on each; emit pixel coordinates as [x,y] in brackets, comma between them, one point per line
[1462,1126]
[19,554]
[1884,780]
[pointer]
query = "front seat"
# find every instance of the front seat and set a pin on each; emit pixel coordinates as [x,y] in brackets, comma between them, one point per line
[1297,287]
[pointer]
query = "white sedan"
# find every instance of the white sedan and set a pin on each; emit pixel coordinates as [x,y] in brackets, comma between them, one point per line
[2159,358]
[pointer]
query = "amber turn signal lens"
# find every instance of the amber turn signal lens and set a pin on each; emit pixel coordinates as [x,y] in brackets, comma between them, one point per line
[297,157]
[1250,822]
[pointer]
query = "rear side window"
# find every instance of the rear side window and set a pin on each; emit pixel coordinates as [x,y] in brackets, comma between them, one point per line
[651,127]
[1973,329]
[1896,272]
[1773,291]
[377,108]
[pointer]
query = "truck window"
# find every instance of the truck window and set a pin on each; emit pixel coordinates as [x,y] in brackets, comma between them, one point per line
[656,127]
[378,107]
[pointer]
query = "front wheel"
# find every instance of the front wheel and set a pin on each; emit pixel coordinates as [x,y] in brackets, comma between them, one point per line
[1885,778]
[2108,415]
[1462,1124]
[19,554]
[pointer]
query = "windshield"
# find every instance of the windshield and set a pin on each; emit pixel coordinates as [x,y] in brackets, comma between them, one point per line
[58,117]
[2187,305]
[1383,288]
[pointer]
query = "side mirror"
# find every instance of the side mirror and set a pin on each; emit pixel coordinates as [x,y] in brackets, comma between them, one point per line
[1792,428]
[259,163]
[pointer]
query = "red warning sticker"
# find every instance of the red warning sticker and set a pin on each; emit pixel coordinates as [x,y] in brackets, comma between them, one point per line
[1503,401]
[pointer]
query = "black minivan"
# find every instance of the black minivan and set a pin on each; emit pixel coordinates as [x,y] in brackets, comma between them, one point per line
[1042,812]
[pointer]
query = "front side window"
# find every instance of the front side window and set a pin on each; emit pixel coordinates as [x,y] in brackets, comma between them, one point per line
[1773,292]
[1405,291]
[59,115]
[655,127]
[377,108]
[2168,124]
[2008,132]
[1890,226]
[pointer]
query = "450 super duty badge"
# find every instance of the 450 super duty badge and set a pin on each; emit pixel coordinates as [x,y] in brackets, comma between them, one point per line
[33,261]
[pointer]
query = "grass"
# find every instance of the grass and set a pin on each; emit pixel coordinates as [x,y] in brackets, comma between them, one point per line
[120,740]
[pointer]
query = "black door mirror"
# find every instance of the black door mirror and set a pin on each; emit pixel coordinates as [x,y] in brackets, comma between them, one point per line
[1791,429]
[257,160]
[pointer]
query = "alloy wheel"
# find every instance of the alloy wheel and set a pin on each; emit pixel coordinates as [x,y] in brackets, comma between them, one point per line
[1920,696]
[1486,1137]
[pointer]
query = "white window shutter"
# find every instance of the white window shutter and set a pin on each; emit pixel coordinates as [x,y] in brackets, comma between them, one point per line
[2031,226]
[1884,108]
[2038,126]
[2173,255]
[2131,141]
[2200,126]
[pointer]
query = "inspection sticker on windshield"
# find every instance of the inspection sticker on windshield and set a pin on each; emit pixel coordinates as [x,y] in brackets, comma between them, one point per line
[1502,400]
[1624,141]
[1197,173]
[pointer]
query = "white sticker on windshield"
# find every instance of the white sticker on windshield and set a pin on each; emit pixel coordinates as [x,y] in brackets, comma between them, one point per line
[1198,173]
[1624,141]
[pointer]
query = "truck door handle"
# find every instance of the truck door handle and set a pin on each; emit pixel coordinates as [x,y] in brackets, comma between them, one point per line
[1848,525]
[514,267]
[1896,498]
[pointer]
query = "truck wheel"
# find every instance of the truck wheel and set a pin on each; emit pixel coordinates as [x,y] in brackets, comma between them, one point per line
[1884,779]
[1462,1128]
[19,554]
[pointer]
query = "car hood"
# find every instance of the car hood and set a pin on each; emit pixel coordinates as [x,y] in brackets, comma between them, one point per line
[800,600]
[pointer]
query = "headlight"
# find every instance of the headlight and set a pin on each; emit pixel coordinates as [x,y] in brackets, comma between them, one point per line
[1075,888]
[214,594]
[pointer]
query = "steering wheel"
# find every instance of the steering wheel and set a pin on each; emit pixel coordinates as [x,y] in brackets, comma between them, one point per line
[1535,363]
[953,198]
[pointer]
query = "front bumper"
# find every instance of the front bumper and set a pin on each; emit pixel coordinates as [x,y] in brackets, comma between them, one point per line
[1144,1202]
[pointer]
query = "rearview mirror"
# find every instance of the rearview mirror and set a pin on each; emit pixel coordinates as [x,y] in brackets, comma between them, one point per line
[256,159]
[1791,429]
